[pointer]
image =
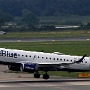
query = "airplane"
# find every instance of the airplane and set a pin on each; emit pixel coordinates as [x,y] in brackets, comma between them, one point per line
[35,61]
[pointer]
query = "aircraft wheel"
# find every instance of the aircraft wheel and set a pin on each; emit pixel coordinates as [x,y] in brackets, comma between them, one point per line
[45,76]
[36,75]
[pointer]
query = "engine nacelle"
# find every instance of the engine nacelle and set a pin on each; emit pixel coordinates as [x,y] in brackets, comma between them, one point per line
[29,66]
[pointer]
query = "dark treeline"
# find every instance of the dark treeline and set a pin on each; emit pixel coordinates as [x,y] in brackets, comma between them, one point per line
[46,7]
[26,15]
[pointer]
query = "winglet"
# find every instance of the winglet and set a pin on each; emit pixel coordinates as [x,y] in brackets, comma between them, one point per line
[80,60]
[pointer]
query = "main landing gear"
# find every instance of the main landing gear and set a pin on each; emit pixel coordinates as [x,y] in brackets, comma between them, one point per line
[37,75]
[45,76]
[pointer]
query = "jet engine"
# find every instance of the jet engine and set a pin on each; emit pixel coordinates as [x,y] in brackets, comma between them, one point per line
[30,67]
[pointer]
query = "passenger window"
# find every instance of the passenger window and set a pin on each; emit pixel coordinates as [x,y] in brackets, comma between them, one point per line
[18,54]
[50,58]
[53,58]
[46,58]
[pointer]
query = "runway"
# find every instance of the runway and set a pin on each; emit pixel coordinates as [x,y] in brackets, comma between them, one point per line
[11,81]
[45,39]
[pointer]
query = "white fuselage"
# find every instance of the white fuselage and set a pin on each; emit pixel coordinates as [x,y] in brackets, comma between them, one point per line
[41,58]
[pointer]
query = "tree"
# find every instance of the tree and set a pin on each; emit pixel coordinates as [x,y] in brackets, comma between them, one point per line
[29,18]
[2,21]
[6,16]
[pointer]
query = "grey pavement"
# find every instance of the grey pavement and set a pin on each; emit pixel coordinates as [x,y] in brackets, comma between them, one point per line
[46,39]
[18,81]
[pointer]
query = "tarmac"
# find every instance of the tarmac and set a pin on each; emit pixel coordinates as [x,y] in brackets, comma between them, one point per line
[45,39]
[19,81]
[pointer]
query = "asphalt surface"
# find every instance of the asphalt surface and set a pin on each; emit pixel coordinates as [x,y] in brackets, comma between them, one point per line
[14,81]
[46,39]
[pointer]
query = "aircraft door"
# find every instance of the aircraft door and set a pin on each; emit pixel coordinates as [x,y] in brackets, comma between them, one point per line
[34,57]
[89,62]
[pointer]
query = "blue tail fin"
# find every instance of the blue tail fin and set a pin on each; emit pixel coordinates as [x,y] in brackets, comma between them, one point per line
[80,60]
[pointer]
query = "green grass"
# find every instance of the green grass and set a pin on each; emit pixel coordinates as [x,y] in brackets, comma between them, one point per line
[73,48]
[53,34]
[67,47]
[61,73]
[51,73]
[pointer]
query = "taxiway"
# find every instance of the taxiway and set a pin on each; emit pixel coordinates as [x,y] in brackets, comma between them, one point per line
[46,39]
[15,81]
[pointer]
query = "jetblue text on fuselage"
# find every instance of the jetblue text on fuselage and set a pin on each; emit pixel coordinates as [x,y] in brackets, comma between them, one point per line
[7,54]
